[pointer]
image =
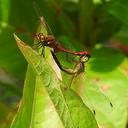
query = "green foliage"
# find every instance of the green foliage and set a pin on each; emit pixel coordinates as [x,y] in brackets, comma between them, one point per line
[79,25]
[118,9]
[71,110]
[112,81]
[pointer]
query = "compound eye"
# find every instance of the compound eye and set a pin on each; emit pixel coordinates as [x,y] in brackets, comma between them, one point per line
[40,37]
[48,42]
[84,58]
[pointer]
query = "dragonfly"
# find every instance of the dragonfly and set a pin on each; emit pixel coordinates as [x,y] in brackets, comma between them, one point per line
[51,41]
[48,40]
[44,39]
[77,70]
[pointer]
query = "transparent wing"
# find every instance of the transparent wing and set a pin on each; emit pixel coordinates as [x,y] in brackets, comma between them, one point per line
[48,28]
[42,20]
[42,27]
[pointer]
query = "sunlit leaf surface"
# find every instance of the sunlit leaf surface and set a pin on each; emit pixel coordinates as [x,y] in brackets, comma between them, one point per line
[70,108]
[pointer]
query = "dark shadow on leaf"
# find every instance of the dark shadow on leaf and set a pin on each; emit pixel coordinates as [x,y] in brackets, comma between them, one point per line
[106,59]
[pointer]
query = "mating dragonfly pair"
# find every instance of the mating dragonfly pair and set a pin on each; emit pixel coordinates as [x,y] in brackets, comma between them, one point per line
[51,41]
[44,40]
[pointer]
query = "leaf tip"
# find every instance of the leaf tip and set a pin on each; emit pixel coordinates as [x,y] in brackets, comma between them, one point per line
[42,19]
[18,41]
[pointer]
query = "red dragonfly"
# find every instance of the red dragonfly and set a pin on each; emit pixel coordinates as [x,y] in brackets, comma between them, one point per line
[52,42]
[43,39]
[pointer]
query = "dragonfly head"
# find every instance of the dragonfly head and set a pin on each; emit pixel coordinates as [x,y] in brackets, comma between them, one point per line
[84,57]
[40,37]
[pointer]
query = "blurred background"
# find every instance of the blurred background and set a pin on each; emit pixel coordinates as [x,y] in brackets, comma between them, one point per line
[98,26]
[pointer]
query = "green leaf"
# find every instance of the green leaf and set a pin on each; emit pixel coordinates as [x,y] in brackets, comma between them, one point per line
[8,83]
[68,105]
[118,8]
[110,76]
[86,12]
[8,50]
[4,119]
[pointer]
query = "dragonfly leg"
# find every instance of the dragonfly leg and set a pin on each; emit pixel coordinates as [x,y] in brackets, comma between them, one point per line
[37,45]
[43,51]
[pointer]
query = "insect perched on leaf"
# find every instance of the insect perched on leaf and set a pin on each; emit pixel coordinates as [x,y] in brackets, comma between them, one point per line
[51,41]
[48,40]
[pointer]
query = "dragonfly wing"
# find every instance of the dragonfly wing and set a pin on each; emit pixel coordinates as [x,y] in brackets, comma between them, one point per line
[44,23]
[43,26]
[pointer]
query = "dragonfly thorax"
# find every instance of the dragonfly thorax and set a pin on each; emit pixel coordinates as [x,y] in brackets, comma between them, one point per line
[49,38]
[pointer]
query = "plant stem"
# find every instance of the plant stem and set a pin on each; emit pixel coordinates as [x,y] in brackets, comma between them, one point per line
[86,22]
